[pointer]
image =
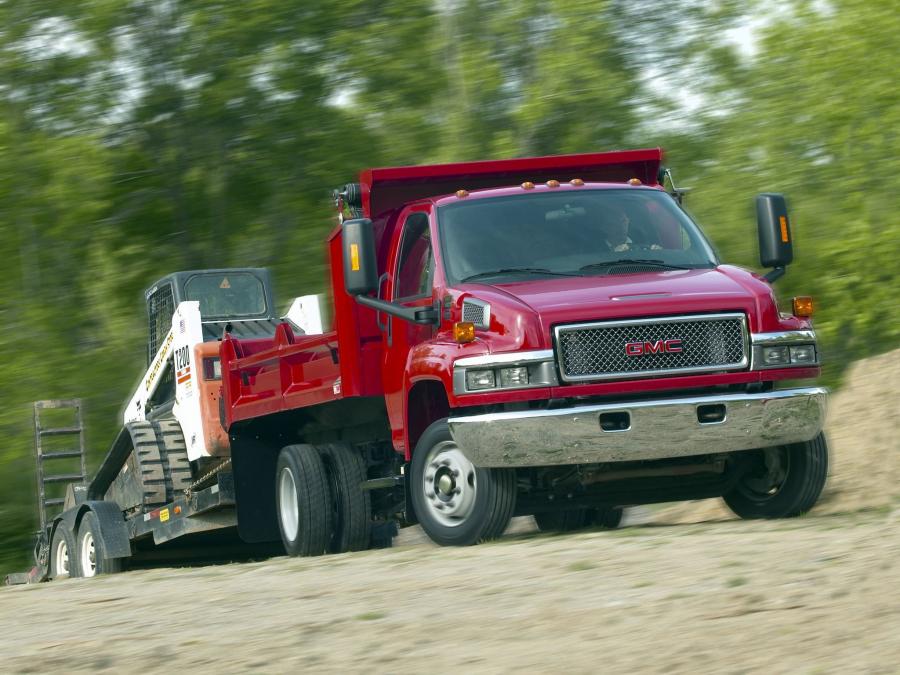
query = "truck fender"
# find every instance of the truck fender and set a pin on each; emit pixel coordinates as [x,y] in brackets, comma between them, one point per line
[113,529]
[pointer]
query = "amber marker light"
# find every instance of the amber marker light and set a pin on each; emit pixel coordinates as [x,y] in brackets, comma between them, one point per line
[803,306]
[462,194]
[552,183]
[634,181]
[527,185]
[464,331]
[577,182]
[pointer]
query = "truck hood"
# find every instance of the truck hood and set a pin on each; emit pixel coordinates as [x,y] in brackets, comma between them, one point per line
[596,298]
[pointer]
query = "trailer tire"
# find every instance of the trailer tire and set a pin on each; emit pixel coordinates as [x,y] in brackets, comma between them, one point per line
[606,517]
[457,503]
[63,560]
[303,501]
[91,557]
[786,482]
[345,470]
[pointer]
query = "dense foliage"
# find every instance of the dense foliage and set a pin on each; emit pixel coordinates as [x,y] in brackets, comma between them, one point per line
[140,137]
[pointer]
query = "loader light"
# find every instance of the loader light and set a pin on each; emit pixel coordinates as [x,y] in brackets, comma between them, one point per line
[479,379]
[212,368]
[514,377]
[464,331]
[803,306]
[776,356]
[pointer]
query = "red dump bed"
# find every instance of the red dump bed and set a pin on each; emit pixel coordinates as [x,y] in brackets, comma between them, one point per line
[265,376]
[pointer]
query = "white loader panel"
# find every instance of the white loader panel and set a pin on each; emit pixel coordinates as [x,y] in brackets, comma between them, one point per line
[177,353]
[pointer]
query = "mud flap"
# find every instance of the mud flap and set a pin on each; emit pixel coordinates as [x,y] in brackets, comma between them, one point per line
[253,464]
[113,529]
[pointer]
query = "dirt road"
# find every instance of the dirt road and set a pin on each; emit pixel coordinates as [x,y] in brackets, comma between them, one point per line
[672,592]
[809,595]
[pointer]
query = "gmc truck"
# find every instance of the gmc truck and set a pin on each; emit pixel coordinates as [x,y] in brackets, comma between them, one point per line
[549,336]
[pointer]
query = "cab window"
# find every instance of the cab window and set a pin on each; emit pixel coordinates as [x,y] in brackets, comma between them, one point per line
[414,267]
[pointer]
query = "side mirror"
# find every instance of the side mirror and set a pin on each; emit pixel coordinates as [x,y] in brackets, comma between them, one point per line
[776,249]
[360,270]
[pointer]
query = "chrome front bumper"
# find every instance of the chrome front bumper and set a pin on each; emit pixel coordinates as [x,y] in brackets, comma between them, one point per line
[654,429]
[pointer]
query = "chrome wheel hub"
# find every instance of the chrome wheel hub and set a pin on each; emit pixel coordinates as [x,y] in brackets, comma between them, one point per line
[449,484]
[288,507]
[62,559]
[88,555]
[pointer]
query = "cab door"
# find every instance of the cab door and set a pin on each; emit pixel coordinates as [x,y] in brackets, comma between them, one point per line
[410,283]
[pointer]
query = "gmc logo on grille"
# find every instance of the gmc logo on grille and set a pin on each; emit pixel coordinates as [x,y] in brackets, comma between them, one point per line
[658,347]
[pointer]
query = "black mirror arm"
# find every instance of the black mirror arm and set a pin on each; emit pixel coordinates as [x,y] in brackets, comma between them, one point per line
[774,274]
[423,315]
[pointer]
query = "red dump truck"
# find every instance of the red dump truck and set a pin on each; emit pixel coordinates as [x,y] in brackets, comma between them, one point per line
[551,336]
[547,336]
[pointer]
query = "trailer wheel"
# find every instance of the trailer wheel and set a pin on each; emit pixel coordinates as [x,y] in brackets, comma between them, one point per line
[785,481]
[351,510]
[91,550]
[62,553]
[456,502]
[303,500]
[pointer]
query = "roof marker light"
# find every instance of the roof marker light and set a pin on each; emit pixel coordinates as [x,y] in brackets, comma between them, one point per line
[527,185]
[553,183]
[462,194]
[577,182]
[634,181]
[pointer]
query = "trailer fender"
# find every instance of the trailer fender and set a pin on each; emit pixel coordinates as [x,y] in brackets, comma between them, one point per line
[113,529]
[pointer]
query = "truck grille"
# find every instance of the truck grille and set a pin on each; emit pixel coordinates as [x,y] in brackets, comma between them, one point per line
[648,347]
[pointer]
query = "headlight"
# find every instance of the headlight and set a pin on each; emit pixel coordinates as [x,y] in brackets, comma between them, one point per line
[479,379]
[803,354]
[514,377]
[514,370]
[776,356]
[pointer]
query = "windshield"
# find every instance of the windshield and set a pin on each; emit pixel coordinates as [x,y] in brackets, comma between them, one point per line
[227,295]
[569,233]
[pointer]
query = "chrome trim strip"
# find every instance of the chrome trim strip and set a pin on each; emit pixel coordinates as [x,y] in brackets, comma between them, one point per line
[787,337]
[504,359]
[739,365]
[660,428]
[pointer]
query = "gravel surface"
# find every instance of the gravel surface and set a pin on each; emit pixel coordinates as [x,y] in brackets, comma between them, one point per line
[680,589]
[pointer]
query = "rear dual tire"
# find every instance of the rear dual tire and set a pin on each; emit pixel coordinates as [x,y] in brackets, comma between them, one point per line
[321,507]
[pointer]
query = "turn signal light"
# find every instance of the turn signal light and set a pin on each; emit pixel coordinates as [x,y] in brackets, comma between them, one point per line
[803,306]
[464,331]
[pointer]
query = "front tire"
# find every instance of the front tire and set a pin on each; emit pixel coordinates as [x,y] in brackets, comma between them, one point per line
[303,501]
[92,559]
[784,482]
[457,503]
[62,553]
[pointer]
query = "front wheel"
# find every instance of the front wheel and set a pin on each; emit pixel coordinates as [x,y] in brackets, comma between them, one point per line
[456,502]
[783,481]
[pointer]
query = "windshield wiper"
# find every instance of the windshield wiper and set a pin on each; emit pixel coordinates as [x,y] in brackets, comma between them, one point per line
[514,270]
[632,261]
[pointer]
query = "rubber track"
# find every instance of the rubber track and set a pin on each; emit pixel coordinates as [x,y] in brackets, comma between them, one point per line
[352,531]
[173,453]
[149,463]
